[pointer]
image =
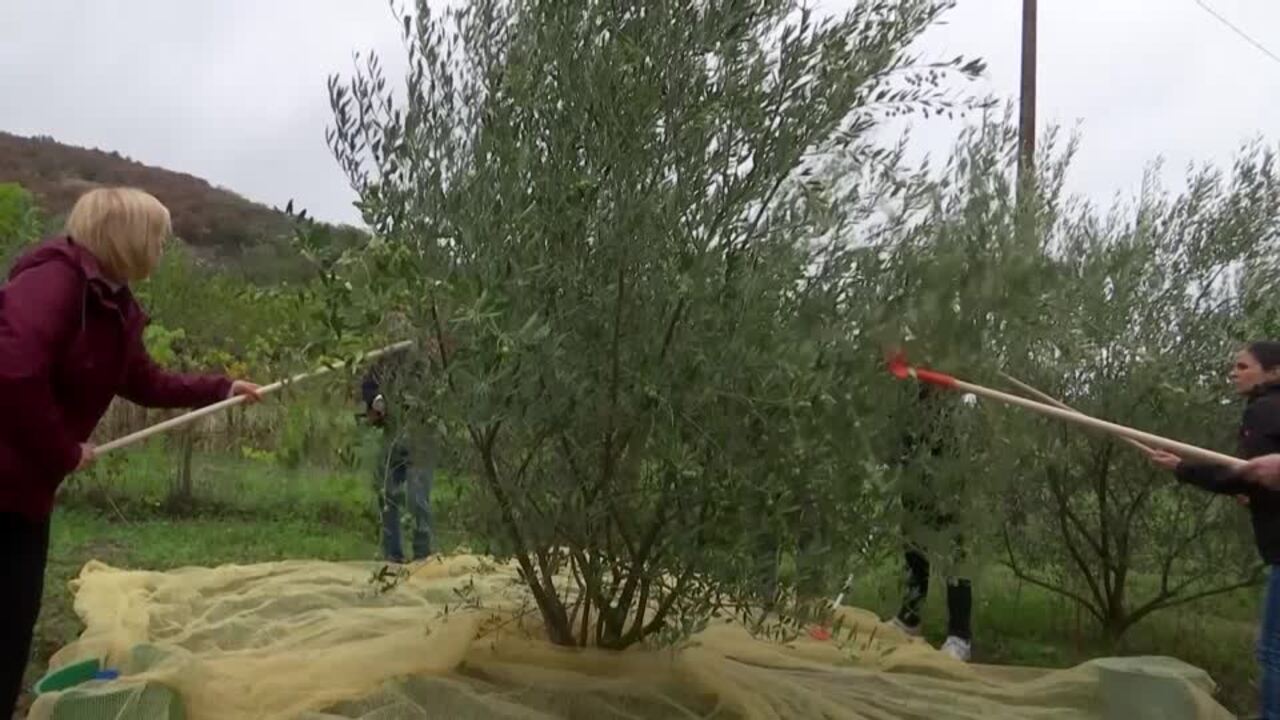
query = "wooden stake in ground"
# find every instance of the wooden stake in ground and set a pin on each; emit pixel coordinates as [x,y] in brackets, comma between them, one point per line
[191,417]
[903,371]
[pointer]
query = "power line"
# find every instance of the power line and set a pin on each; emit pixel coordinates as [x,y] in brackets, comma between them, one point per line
[1204,6]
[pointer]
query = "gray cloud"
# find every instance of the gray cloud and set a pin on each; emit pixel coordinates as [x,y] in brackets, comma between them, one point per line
[233,91]
[1140,79]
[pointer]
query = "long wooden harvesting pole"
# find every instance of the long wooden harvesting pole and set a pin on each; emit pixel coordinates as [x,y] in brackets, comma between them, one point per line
[1056,403]
[903,371]
[194,415]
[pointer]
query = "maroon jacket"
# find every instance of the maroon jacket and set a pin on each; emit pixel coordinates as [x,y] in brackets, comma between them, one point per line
[69,343]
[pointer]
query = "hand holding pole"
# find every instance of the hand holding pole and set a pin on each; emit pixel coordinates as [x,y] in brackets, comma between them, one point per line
[194,415]
[902,370]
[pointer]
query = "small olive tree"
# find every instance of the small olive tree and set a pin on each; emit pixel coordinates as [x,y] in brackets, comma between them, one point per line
[1129,315]
[605,221]
[1132,317]
[1148,311]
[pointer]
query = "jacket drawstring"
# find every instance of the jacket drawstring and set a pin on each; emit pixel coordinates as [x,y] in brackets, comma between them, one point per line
[84,307]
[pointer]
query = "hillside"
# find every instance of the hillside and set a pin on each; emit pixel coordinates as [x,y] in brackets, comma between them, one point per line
[218,224]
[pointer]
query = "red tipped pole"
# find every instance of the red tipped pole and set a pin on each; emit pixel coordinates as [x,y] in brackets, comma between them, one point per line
[902,370]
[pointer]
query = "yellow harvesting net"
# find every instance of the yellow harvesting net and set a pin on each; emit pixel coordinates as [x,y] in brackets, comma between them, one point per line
[312,640]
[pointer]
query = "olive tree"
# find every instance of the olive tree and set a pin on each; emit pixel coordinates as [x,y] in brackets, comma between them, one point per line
[1148,313]
[605,222]
[1129,314]
[1141,307]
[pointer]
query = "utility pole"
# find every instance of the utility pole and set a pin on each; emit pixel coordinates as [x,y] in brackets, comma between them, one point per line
[1027,116]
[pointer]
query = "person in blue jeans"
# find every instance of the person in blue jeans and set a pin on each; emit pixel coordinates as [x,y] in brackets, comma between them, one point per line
[1256,376]
[406,463]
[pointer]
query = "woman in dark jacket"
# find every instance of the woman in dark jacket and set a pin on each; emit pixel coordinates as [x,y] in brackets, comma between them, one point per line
[70,342]
[1256,376]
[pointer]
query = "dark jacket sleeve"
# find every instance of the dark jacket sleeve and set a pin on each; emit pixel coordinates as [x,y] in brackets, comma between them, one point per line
[1212,477]
[1259,435]
[39,312]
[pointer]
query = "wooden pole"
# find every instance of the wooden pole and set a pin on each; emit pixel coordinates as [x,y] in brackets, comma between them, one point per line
[190,417]
[900,369]
[1179,448]
[1053,401]
[1027,98]
[1024,192]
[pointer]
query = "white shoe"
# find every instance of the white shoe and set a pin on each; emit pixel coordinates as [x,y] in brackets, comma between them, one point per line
[910,630]
[957,648]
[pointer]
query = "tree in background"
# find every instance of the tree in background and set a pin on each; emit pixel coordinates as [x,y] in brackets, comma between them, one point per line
[1130,316]
[205,319]
[606,221]
[20,222]
[1148,310]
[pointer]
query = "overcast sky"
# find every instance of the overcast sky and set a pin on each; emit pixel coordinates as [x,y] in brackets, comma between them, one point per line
[234,90]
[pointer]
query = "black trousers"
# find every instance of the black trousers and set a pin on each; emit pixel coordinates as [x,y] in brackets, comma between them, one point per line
[959,597]
[25,548]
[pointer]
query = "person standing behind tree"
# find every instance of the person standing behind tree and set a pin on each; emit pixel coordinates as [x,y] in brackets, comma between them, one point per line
[1256,377]
[928,512]
[406,460]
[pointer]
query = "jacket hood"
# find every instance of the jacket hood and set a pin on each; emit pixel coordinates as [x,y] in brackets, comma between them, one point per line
[62,248]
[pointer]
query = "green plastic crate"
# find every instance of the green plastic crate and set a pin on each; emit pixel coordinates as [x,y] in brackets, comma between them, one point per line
[84,695]
[68,677]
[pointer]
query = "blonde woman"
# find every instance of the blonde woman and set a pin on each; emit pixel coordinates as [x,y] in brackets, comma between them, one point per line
[70,341]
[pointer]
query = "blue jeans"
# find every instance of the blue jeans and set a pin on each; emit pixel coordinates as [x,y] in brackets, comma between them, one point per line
[404,479]
[1269,647]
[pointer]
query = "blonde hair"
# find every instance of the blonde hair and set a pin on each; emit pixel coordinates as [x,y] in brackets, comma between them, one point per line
[125,228]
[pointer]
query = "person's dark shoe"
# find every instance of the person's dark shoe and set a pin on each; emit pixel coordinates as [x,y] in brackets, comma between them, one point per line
[911,630]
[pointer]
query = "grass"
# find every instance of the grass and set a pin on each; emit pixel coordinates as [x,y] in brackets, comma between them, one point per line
[139,484]
[1015,623]
[249,511]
